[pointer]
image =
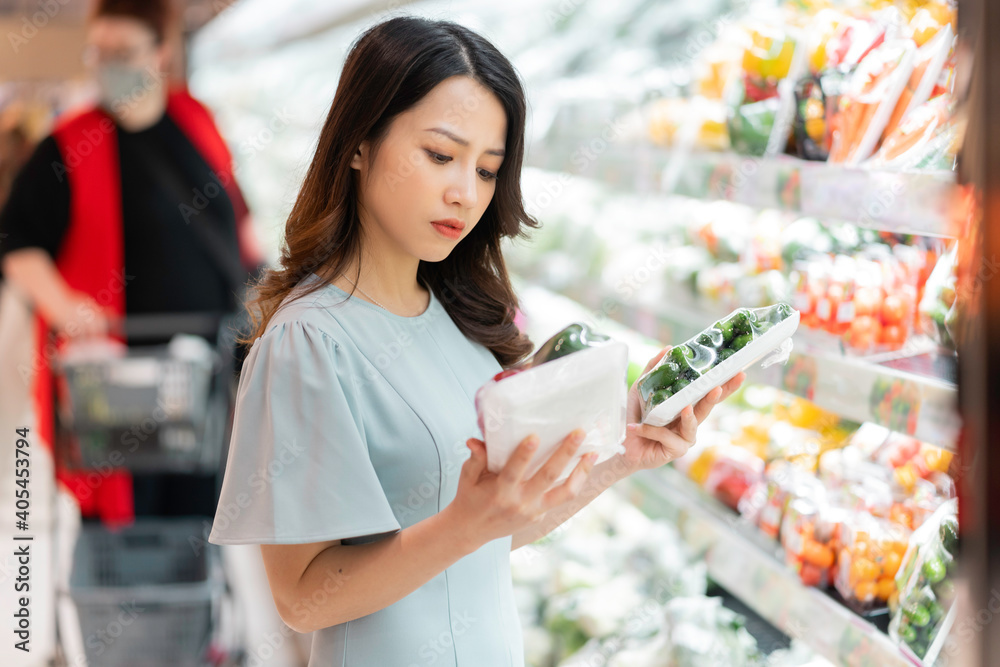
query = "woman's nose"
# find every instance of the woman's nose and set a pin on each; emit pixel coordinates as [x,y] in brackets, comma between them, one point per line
[463,189]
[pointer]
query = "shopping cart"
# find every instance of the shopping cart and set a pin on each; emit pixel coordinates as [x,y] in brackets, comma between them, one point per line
[155,593]
[151,407]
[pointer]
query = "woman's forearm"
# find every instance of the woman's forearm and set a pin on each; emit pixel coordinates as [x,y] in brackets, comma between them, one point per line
[346,582]
[33,273]
[603,475]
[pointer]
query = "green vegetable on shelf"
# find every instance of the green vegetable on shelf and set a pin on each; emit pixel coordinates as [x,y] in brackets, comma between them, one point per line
[918,614]
[949,535]
[934,569]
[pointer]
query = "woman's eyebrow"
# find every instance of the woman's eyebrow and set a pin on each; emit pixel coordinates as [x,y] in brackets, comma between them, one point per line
[463,142]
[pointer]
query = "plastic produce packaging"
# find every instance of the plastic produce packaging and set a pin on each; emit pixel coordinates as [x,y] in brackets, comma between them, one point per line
[939,299]
[732,473]
[810,533]
[690,370]
[576,379]
[871,97]
[925,582]
[870,556]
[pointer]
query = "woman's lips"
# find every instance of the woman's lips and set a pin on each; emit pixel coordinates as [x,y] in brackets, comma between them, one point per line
[446,230]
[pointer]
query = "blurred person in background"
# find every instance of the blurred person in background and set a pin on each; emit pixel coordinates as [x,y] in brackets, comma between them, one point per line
[128,207]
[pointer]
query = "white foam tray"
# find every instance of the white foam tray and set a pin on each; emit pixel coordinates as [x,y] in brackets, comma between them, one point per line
[771,340]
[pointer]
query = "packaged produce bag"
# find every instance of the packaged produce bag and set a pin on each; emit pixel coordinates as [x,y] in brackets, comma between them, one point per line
[575,380]
[869,101]
[923,613]
[870,554]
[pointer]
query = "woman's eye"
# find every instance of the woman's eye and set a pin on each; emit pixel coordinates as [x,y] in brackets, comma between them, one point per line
[487,175]
[437,157]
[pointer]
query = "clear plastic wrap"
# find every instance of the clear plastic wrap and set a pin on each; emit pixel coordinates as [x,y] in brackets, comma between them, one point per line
[810,530]
[939,299]
[733,472]
[870,555]
[925,585]
[867,105]
[575,380]
[691,370]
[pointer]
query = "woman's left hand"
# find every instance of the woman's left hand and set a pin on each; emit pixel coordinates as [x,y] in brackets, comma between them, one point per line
[648,446]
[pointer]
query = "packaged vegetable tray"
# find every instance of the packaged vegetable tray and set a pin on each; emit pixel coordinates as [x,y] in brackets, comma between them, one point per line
[576,379]
[924,612]
[690,370]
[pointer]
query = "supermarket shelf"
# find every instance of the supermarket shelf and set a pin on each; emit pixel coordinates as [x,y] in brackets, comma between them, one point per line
[902,202]
[914,395]
[748,564]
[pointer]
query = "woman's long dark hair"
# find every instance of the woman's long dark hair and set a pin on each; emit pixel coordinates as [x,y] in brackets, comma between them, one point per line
[389,69]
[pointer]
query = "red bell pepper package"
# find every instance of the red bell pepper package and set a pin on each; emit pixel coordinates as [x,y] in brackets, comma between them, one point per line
[733,472]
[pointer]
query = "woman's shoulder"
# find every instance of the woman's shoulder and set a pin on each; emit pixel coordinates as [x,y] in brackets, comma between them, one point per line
[305,313]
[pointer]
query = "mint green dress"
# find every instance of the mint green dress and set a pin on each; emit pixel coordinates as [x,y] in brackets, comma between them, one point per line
[350,424]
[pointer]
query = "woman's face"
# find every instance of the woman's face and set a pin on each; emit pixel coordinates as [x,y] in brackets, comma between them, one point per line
[438,161]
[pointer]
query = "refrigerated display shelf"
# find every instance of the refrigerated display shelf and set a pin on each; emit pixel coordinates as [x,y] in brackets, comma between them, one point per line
[900,202]
[749,565]
[915,395]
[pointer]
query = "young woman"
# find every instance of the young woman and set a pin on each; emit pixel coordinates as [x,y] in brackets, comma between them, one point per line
[351,460]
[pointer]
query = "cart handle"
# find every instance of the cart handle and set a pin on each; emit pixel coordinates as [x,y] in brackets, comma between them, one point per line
[152,325]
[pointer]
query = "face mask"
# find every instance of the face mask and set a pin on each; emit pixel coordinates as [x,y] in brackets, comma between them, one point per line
[120,84]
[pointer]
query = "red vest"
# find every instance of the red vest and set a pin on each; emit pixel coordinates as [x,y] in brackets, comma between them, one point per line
[91,259]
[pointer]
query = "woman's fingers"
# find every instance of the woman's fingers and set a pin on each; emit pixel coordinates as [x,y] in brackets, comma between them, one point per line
[519,460]
[732,385]
[572,485]
[476,463]
[687,426]
[705,405]
[556,463]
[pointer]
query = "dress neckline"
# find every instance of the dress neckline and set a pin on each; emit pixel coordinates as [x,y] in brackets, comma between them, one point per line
[371,306]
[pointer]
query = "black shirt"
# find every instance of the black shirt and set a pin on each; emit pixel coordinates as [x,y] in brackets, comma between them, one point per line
[167,266]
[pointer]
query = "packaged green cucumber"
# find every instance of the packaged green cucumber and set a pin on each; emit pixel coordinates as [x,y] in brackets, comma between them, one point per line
[690,370]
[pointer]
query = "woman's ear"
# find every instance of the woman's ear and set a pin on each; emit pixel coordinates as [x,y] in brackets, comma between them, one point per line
[360,156]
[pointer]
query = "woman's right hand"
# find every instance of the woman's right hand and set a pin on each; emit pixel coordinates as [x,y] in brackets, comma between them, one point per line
[77,315]
[489,506]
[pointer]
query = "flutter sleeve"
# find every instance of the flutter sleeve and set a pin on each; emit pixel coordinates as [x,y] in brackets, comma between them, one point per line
[298,468]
